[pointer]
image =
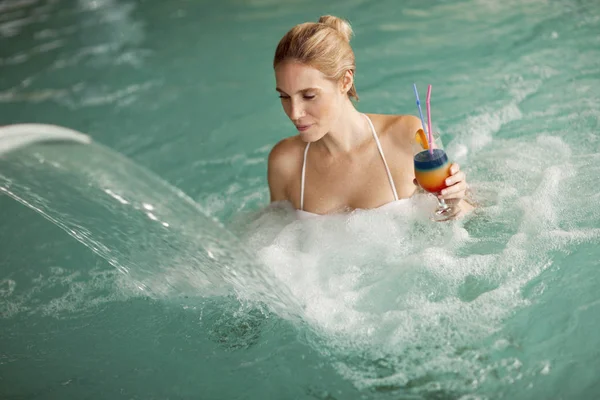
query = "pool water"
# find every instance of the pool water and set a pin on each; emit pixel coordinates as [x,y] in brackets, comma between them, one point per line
[149,265]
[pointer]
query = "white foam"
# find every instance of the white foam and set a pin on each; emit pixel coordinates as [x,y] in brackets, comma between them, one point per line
[478,130]
[376,285]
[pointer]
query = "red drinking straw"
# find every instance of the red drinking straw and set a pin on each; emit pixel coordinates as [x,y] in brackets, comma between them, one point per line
[428,101]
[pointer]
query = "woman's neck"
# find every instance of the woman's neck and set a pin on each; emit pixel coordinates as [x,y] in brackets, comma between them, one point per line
[347,133]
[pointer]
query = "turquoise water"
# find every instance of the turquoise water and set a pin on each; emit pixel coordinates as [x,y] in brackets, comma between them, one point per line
[233,300]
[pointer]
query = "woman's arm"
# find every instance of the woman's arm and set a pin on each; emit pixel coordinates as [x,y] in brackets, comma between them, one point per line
[282,167]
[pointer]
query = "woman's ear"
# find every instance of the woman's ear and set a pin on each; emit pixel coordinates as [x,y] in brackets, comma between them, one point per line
[347,81]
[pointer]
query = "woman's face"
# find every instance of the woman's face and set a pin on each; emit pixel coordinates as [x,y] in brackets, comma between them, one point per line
[310,100]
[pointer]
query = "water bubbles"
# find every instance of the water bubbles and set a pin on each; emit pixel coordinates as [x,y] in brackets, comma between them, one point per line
[431,299]
[545,368]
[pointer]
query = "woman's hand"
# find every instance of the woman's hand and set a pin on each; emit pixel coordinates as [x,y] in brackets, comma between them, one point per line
[455,193]
[456,185]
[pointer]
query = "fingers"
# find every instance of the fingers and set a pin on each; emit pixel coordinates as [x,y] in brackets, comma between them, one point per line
[456,184]
[454,168]
[457,191]
[456,178]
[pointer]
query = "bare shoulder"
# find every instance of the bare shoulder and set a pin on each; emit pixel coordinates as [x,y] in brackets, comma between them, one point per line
[284,164]
[398,128]
[284,155]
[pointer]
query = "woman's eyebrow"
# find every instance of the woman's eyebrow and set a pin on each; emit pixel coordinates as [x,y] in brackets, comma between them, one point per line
[299,91]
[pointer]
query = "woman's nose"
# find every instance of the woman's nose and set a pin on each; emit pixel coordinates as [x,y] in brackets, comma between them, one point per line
[296,111]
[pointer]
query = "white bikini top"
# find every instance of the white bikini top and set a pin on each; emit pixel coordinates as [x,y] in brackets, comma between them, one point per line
[387,169]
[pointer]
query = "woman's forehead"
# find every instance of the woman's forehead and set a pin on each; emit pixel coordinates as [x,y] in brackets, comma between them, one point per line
[292,76]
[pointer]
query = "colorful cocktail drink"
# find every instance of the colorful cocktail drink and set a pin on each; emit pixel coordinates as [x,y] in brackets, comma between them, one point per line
[431,162]
[432,169]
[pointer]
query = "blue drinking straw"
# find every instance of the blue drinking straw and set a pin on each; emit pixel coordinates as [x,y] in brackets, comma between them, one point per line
[421,113]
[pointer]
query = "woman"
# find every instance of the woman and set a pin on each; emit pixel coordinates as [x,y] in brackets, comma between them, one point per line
[341,159]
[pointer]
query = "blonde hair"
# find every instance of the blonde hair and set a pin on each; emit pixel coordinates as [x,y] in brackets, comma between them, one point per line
[324,45]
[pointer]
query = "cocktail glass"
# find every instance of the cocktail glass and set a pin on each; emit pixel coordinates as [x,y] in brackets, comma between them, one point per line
[431,170]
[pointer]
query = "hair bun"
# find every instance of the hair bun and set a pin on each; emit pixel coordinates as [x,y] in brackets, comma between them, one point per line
[340,25]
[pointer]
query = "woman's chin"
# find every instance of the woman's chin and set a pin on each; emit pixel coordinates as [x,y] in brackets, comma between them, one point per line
[311,135]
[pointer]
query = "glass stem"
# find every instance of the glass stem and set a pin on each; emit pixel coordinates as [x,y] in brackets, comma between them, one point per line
[443,204]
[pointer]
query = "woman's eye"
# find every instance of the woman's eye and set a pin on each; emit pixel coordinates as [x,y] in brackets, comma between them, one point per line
[306,97]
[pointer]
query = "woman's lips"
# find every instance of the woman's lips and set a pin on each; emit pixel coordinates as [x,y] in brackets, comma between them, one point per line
[302,128]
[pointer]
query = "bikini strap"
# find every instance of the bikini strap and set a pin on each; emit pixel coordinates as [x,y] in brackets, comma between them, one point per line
[303,175]
[387,169]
